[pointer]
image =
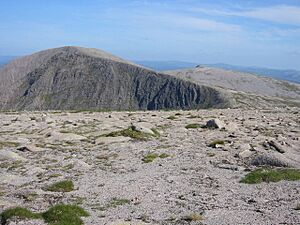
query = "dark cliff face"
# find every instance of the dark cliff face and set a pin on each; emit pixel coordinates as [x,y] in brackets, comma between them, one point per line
[75,80]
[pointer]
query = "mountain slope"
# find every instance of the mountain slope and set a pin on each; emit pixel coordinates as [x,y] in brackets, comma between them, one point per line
[80,78]
[244,86]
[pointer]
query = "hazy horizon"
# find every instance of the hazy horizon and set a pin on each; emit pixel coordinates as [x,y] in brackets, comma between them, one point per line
[245,33]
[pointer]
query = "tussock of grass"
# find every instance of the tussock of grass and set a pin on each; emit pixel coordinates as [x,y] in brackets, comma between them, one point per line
[152,156]
[57,215]
[213,144]
[61,186]
[271,175]
[129,132]
[65,215]
[19,212]
[172,118]
[193,126]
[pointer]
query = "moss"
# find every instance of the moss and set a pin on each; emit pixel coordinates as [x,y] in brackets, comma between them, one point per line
[61,186]
[193,126]
[129,132]
[213,144]
[271,175]
[172,118]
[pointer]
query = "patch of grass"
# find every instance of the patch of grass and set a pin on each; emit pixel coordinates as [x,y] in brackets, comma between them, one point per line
[118,201]
[193,217]
[61,186]
[172,118]
[57,215]
[271,175]
[164,155]
[8,144]
[129,132]
[65,215]
[193,126]
[115,202]
[152,156]
[214,143]
[19,212]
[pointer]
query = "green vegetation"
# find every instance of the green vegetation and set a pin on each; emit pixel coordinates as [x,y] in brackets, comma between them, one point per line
[115,202]
[156,132]
[19,212]
[193,217]
[152,156]
[172,118]
[57,215]
[129,132]
[213,144]
[8,144]
[271,175]
[65,215]
[61,186]
[193,126]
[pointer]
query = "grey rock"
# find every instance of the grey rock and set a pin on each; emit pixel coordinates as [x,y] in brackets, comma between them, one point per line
[215,124]
[143,127]
[6,154]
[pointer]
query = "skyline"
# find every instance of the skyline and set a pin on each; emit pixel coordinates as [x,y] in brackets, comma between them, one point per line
[246,33]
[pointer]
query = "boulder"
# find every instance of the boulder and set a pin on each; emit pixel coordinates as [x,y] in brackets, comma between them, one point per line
[215,124]
[6,154]
[143,127]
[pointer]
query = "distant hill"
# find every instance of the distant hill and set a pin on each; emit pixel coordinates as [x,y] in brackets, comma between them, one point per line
[80,78]
[166,65]
[247,89]
[289,75]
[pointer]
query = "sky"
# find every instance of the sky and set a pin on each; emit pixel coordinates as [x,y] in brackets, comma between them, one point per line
[240,32]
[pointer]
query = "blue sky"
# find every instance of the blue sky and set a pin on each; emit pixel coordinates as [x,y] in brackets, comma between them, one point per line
[241,32]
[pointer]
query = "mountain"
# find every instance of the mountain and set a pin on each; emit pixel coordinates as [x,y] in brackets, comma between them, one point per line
[81,78]
[246,89]
[166,65]
[289,75]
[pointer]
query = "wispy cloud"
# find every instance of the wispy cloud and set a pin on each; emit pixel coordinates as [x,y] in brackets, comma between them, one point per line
[201,24]
[281,14]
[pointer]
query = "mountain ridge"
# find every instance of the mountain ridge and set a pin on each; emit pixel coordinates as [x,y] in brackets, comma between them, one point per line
[80,78]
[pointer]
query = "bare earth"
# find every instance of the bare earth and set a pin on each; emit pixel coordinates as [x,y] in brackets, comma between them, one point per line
[115,185]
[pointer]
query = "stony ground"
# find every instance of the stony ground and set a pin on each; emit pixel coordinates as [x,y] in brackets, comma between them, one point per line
[191,183]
